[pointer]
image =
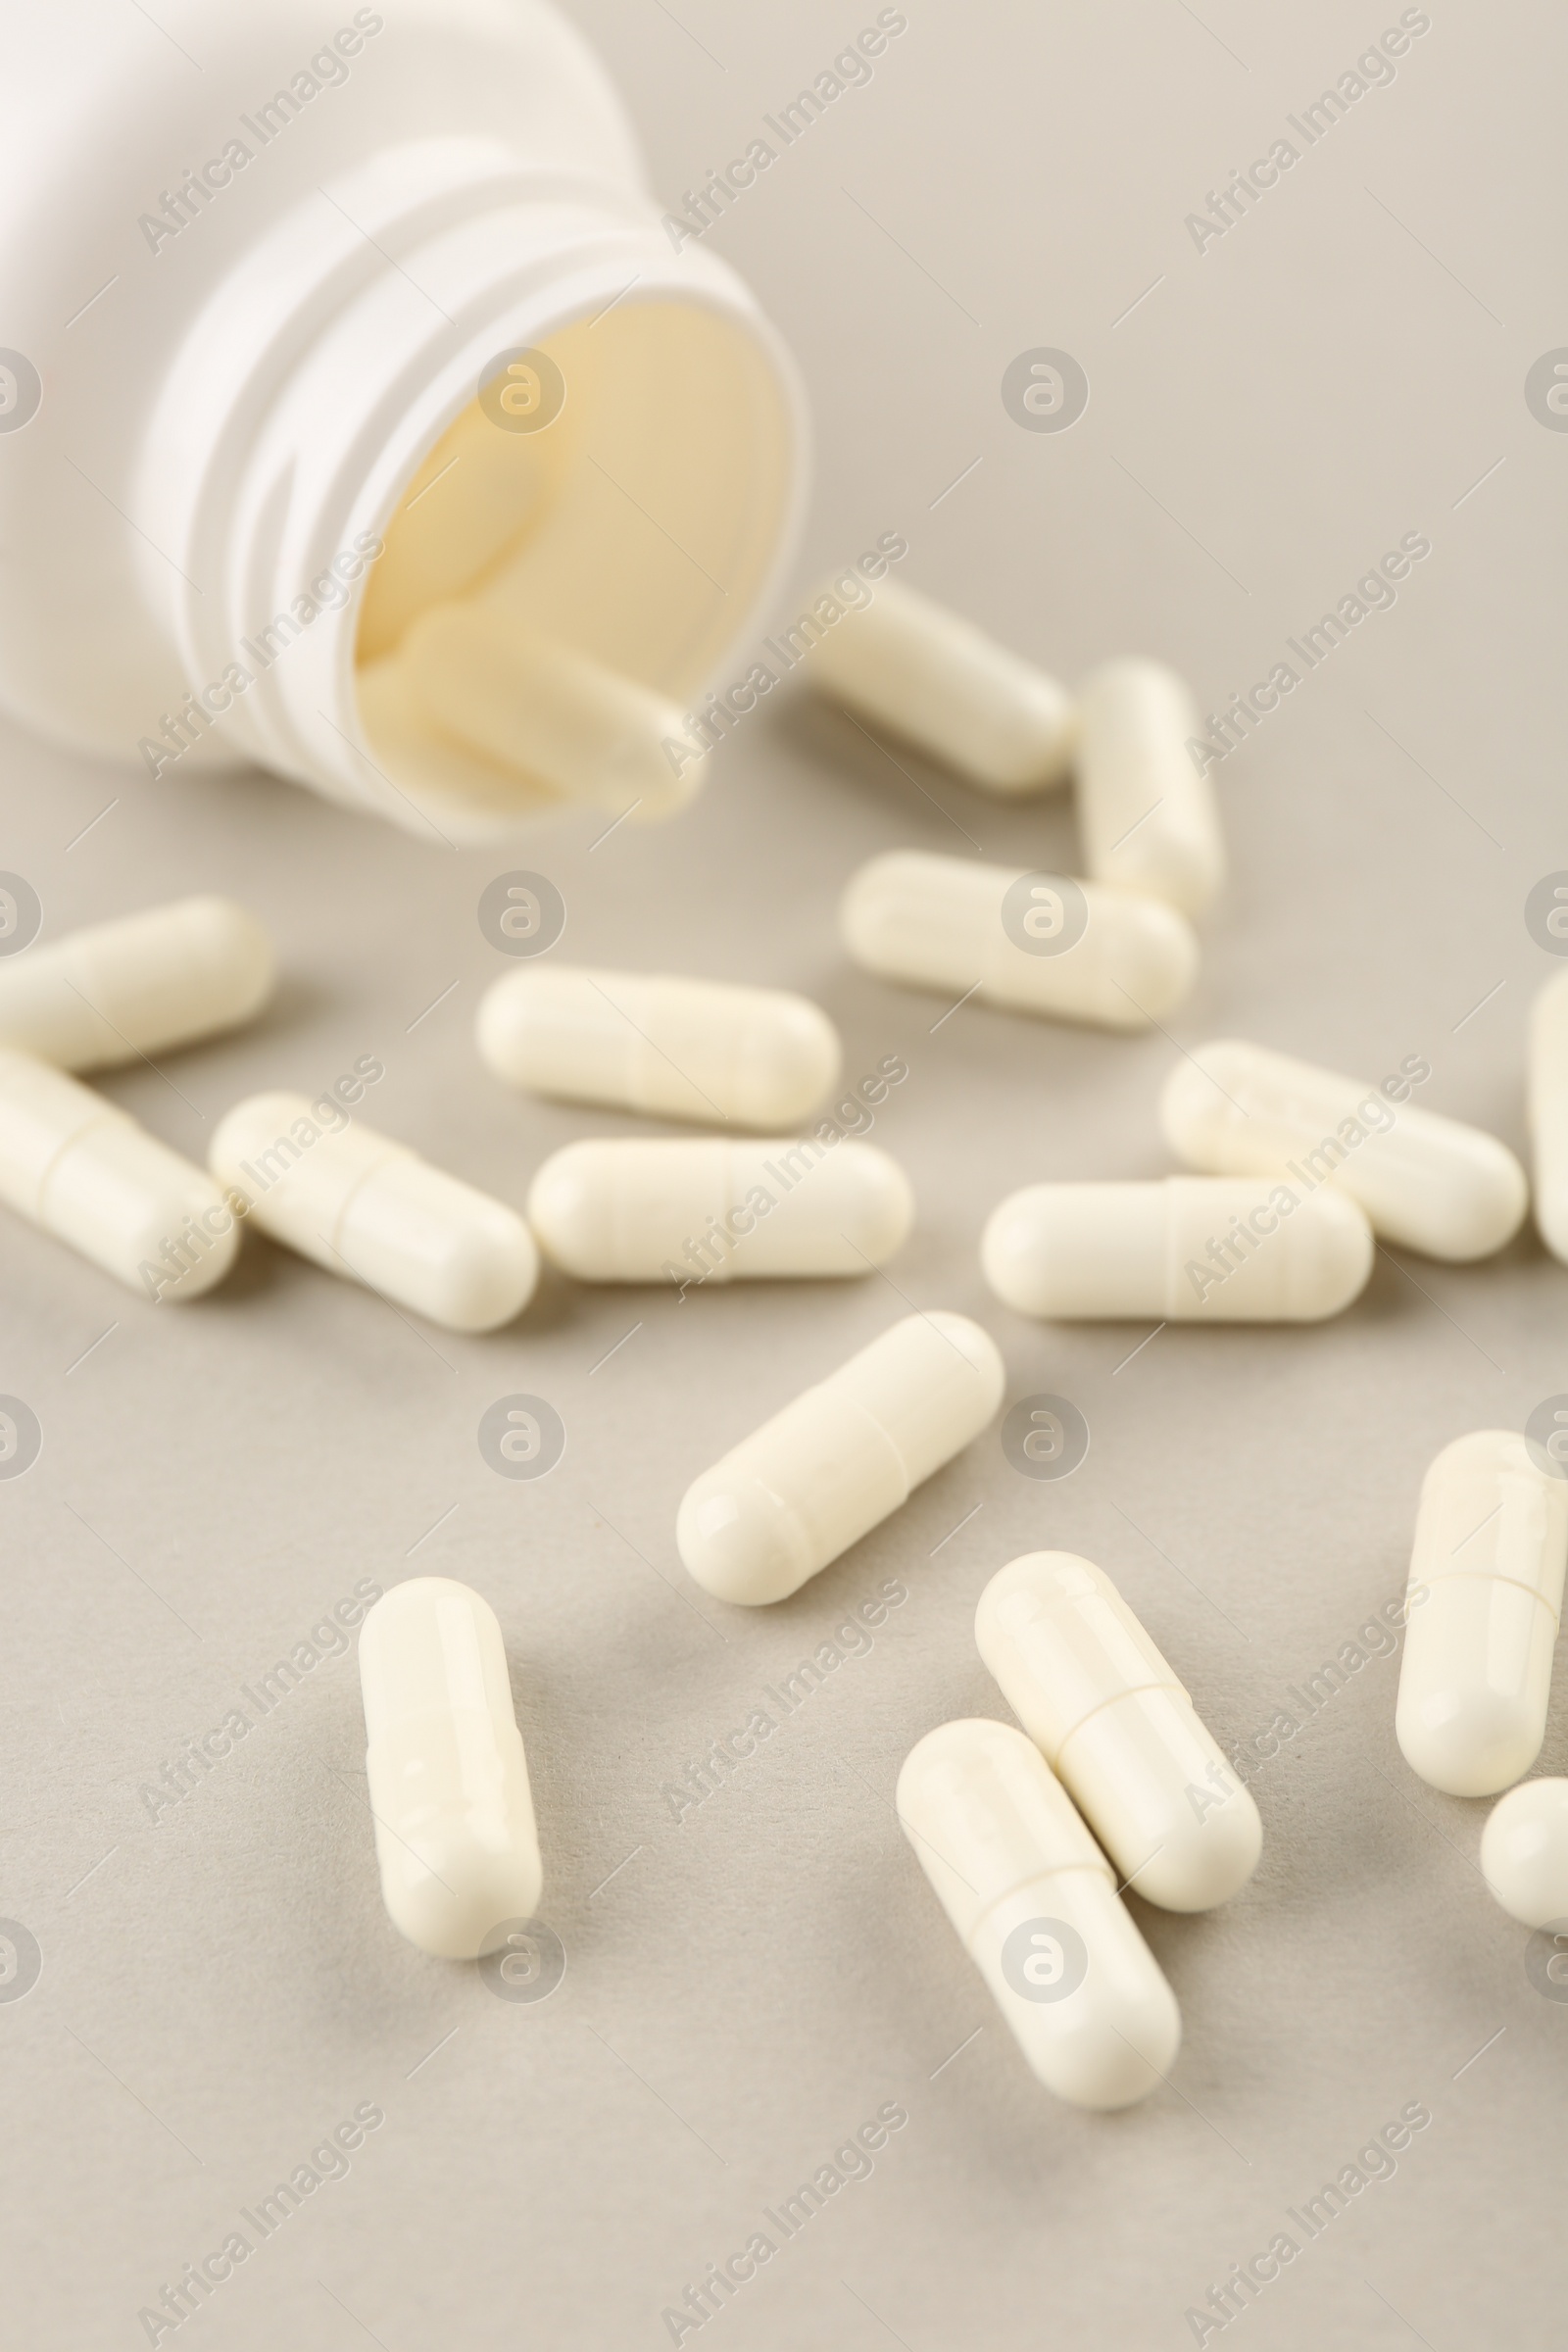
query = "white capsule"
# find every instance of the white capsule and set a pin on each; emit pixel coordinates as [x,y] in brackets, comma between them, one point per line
[1524,1854]
[1039,943]
[364,1206]
[810,1483]
[1184,1249]
[675,1048]
[1425,1181]
[434,769]
[454,1835]
[532,703]
[83,1169]
[1548,1111]
[136,986]
[1149,820]
[1484,1600]
[932,677]
[1035,1906]
[1118,1730]
[633,1210]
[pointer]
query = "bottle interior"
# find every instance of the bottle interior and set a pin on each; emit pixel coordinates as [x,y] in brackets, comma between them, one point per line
[571,561]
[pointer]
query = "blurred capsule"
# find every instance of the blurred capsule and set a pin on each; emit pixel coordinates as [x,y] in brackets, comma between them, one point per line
[932,677]
[1149,820]
[1034,942]
[139,985]
[530,703]
[703,1049]
[81,1168]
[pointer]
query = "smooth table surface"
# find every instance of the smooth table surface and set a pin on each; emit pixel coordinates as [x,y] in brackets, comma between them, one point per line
[750,1981]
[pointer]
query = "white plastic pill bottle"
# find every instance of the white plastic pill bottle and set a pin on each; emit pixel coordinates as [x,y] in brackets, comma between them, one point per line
[314,317]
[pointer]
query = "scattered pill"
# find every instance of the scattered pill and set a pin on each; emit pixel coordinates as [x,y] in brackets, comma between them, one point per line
[1183,1249]
[935,679]
[527,702]
[835,1462]
[1118,1730]
[136,986]
[631,1210]
[678,1049]
[454,1835]
[1484,1597]
[1149,820]
[1038,943]
[1548,1111]
[1425,1181]
[1035,1906]
[364,1206]
[1524,1853]
[83,1170]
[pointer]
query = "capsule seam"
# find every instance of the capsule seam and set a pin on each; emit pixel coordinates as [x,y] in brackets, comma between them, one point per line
[852,1404]
[1484,1575]
[1132,1691]
[110,1114]
[1056,1870]
[394,1150]
[1052,1870]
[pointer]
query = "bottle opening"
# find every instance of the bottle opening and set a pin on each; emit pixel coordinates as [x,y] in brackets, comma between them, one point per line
[571,560]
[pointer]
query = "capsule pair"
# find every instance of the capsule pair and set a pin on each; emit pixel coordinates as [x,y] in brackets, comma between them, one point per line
[74,1162]
[1148,816]
[357,1202]
[1428,1182]
[1304,1168]
[991,1815]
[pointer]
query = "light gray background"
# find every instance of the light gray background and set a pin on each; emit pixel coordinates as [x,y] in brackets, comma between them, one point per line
[222,1986]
